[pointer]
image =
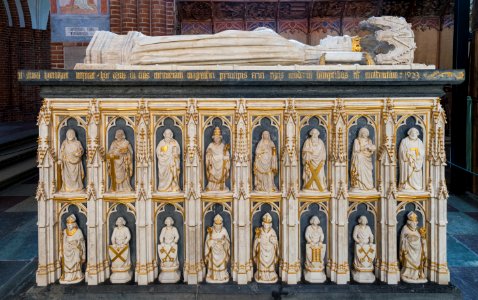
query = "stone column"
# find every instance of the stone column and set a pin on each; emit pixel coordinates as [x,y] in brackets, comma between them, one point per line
[387,266]
[146,268]
[194,269]
[437,206]
[49,269]
[242,262]
[291,268]
[338,266]
[97,266]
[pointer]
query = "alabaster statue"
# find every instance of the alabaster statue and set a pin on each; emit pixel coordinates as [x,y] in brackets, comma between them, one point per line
[120,163]
[70,161]
[413,251]
[72,253]
[314,252]
[361,171]
[217,252]
[266,251]
[364,252]
[314,157]
[119,253]
[411,155]
[265,164]
[168,253]
[390,40]
[168,154]
[218,163]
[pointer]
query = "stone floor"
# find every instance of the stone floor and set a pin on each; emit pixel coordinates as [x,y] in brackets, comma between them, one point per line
[18,237]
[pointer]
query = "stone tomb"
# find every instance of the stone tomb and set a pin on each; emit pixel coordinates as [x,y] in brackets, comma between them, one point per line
[272,174]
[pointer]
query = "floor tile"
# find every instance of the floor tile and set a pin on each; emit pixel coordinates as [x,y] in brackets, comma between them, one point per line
[20,190]
[461,223]
[33,180]
[16,221]
[28,205]
[19,245]
[460,255]
[8,268]
[462,204]
[451,208]
[470,241]
[8,201]
[466,279]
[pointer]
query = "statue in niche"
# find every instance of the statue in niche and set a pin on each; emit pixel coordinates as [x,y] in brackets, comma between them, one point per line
[168,253]
[314,252]
[413,251]
[120,162]
[265,164]
[119,253]
[361,172]
[71,166]
[72,253]
[168,154]
[217,252]
[314,157]
[218,163]
[266,251]
[365,252]
[411,155]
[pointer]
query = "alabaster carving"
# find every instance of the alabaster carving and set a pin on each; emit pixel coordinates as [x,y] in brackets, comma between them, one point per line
[314,252]
[218,163]
[314,157]
[119,253]
[266,251]
[120,163]
[168,253]
[168,155]
[262,46]
[411,156]
[72,253]
[361,171]
[364,252]
[265,164]
[413,251]
[71,166]
[217,252]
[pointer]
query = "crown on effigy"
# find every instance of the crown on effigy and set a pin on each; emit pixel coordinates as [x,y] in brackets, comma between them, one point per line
[412,216]
[218,219]
[71,219]
[267,218]
[217,131]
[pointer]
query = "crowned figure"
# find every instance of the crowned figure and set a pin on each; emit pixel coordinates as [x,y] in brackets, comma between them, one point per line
[72,253]
[411,155]
[70,161]
[119,253]
[168,253]
[217,252]
[364,252]
[314,252]
[120,162]
[168,155]
[266,251]
[413,251]
[218,163]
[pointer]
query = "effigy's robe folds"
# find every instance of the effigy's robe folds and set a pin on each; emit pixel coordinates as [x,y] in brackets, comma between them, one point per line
[298,126]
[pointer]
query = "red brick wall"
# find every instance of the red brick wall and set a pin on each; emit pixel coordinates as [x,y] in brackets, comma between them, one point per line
[57,54]
[20,48]
[151,17]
